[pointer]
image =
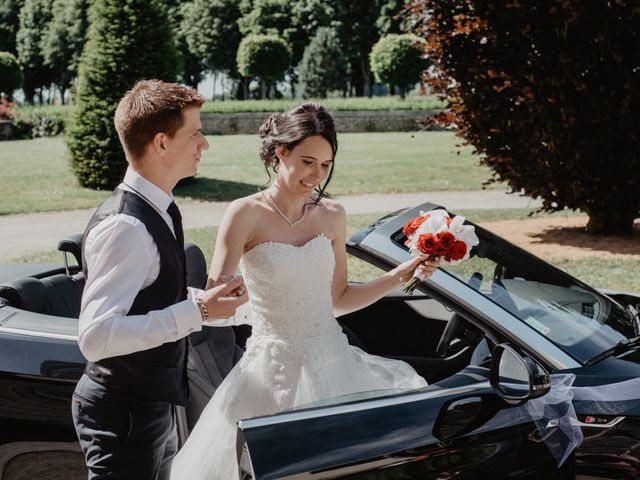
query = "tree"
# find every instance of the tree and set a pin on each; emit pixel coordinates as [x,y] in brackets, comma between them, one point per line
[10,74]
[266,57]
[323,67]
[294,21]
[358,33]
[191,66]
[63,41]
[549,95]
[35,15]
[397,61]
[9,24]
[118,53]
[210,29]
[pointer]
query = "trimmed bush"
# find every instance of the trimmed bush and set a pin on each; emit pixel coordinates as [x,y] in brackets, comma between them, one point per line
[128,40]
[396,60]
[10,74]
[265,57]
[549,95]
[324,66]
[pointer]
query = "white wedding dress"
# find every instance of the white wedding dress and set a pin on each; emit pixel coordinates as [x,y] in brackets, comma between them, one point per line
[296,354]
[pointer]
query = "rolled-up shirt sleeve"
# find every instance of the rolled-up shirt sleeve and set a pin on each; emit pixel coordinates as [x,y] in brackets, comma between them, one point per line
[122,259]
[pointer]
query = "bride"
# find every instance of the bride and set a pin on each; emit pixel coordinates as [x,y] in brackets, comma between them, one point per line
[289,242]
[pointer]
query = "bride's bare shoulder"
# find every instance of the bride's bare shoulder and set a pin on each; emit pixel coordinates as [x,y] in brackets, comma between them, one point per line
[247,207]
[333,212]
[332,208]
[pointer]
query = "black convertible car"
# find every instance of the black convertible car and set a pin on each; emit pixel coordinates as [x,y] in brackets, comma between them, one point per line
[491,336]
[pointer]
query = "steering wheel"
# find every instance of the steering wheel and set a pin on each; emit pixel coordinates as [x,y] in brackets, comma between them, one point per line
[449,333]
[456,322]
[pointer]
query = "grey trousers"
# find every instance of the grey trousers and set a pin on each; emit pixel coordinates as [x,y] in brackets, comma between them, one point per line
[123,436]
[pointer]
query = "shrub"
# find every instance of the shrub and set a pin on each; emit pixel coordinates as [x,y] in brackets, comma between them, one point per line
[39,122]
[396,60]
[548,95]
[324,66]
[10,74]
[119,51]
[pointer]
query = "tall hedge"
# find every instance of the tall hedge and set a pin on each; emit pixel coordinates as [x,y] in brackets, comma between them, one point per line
[10,74]
[396,60]
[128,40]
[548,94]
[324,66]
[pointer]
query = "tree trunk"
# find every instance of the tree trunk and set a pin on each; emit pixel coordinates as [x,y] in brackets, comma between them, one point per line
[357,81]
[611,222]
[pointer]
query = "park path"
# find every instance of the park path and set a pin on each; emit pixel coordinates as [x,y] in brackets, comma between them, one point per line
[25,234]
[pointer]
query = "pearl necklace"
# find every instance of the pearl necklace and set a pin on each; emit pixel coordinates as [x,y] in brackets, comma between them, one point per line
[269,198]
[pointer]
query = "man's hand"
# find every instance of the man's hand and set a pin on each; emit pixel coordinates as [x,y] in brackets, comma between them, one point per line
[223,299]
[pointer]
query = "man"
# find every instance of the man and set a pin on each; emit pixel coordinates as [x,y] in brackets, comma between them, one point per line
[136,310]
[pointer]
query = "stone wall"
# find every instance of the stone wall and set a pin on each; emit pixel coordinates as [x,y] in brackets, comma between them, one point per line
[356,121]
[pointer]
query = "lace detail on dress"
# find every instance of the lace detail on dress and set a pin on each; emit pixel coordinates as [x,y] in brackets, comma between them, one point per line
[288,320]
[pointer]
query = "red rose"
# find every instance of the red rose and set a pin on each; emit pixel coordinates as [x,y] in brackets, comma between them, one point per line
[446,240]
[458,250]
[427,243]
[412,225]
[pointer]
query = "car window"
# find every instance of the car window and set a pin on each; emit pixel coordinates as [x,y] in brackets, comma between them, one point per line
[571,314]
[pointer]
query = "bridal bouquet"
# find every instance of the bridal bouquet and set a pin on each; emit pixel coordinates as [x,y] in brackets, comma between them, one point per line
[437,235]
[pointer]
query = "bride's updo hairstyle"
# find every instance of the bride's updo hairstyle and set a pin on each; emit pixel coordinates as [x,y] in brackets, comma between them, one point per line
[290,128]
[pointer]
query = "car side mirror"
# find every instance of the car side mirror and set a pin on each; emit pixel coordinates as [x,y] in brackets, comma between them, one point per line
[515,376]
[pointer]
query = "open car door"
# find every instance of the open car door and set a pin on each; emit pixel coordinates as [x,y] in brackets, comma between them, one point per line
[454,429]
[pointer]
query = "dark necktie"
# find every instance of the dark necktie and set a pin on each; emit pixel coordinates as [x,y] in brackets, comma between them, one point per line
[174,213]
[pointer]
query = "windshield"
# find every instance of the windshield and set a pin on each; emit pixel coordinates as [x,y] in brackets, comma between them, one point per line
[571,314]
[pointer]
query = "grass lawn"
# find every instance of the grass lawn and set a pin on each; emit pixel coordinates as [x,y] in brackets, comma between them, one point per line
[36,175]
[616,273]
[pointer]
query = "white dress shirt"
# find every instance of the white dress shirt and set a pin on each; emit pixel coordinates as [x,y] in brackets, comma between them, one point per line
[122,258]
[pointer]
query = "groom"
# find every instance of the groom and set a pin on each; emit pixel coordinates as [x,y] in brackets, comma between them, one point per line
[136,310]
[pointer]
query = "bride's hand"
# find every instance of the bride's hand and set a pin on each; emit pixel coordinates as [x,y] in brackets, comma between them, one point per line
[238,292]
[424,266]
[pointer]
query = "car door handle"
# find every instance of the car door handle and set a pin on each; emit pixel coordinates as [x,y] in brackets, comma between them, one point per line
[539,437]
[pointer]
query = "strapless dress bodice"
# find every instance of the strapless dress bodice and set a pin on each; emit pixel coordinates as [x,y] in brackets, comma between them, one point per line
[289,288]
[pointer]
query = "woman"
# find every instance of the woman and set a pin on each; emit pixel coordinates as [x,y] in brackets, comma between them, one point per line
[290,246]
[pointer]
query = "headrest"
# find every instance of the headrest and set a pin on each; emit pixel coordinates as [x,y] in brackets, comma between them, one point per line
[26,293]
[73,245]
[196,266]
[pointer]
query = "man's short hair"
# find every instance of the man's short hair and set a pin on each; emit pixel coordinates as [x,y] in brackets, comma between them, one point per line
[151,107]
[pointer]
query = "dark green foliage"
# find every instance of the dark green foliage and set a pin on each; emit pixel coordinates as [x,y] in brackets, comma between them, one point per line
[35,15]
[358,33]
[323,67]
[548,94]
[9,24]
[397,61]
[210,29]
[266,57]
[128,40]
[392,18]
[10,74]
[63,40]
[192,67]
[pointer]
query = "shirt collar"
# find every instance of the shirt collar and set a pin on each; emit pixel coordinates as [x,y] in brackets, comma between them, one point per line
[152,193]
